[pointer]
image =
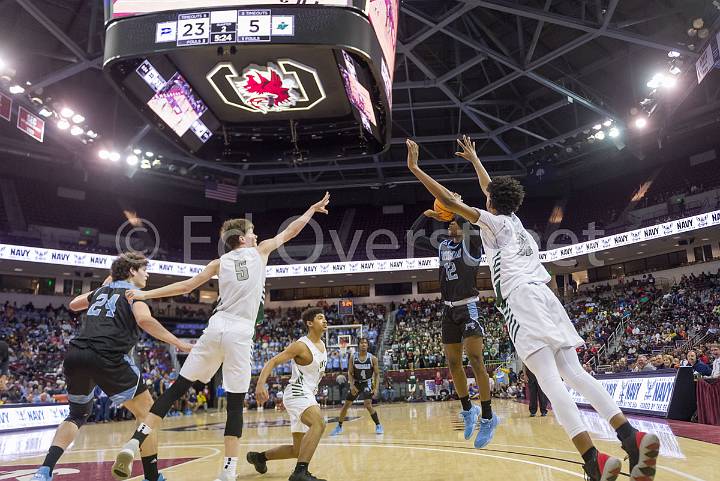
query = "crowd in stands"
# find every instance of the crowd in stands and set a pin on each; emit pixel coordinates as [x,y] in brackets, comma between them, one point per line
[656,325]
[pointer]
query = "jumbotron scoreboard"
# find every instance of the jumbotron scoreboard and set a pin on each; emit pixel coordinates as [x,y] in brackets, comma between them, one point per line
[257,80]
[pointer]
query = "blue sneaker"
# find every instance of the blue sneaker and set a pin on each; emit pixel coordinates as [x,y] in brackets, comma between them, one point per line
[487,431]
[160,478]
[337,431]
[42,474]
[379,429]
[470,419]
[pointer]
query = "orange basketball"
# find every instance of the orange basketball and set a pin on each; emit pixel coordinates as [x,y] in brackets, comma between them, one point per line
[443,211]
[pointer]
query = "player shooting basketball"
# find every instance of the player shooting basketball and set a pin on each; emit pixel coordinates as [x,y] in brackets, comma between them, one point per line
[539,327]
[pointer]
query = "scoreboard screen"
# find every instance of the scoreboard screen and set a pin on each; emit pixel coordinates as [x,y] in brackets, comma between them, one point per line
[255,80]
[345,307]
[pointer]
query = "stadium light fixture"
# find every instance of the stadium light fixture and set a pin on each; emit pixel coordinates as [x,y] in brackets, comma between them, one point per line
[114,156]
[669,82]
[608,123]
[597,126]
[78,119]
[66,112]
[145,164]
[63,124]
[132,159]
[17,89]
[137,151]
[45,112]
[641,122]
[673,54]
[614,133]
[76,130]
[149,155]
[104,154]
[600,135]
[92,134]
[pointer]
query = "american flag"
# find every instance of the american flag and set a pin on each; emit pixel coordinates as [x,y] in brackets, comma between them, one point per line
[220,191]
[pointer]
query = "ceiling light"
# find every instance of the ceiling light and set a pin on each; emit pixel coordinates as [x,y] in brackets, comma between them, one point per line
[600,135]
[703,33]
[114,156]
[92,134]
[78,119]
[608,123]
[156,162]
[673,54]
[597,126]
[145,164]
[641,122]
[149,155]
[63,124]
[675,70]
[614,132]
[76,130]
[67,112]
[132,159]
[656,81]
[104,154]
[137,151]
[16,89]
[669,82]
[45,112]
[698,23]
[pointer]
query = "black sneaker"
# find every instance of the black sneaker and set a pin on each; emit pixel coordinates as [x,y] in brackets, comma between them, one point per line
[256,460]
[603,468]
[642,449]
[306,476]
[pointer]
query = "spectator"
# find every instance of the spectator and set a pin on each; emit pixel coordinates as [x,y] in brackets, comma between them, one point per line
[715,350]
[697,365]
[642,365]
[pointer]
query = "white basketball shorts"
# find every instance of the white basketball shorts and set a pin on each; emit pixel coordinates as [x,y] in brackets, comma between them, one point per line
[295,407]
[535,318]
[226,341]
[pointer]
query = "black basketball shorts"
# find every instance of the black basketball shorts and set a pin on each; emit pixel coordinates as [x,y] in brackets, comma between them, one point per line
[365,392]
[117,376]
[461,322]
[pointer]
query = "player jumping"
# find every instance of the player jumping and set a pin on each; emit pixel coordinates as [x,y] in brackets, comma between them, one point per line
[538,325]
[227,340]
[364,380]
[462,325]
[308,358]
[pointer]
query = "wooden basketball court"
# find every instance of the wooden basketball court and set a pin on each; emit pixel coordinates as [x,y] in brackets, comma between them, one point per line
[422,442]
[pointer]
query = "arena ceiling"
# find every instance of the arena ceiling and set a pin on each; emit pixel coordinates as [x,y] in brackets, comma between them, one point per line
[528,79]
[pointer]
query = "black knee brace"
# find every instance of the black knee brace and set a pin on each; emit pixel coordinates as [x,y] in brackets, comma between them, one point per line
[234,423]
[176,391]
[79,413]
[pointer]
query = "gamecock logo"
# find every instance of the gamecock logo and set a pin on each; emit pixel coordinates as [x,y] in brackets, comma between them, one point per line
[284,86]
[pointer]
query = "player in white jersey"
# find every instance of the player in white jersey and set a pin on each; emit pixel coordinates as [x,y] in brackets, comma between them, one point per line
[228,339]
[308,358]
[538,325]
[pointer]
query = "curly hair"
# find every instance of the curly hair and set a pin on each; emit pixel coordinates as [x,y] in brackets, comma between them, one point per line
[120,268]
[308,315]
[506,195]
[232,230]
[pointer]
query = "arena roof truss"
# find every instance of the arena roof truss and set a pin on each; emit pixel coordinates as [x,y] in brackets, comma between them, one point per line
[525,79]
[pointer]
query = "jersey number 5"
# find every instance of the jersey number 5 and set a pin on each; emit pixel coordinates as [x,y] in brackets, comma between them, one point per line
[241,271]
[104,301]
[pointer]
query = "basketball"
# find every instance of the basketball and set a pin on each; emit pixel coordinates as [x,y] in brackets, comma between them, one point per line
[444,213]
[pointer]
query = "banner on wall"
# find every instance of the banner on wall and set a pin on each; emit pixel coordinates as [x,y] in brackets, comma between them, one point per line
[98,261]
[29,417]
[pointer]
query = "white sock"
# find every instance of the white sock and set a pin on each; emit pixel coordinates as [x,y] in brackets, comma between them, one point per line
[230,467]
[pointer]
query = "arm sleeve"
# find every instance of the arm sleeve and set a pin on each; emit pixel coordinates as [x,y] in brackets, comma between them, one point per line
[495,227]
[421,242]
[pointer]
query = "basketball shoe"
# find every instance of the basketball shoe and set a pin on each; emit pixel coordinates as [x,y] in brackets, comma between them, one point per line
[304,476]
[602,468]
[42,474]
[486,431]
[122,468]
[642,450]
[257,460]
[337,431]
[470,419]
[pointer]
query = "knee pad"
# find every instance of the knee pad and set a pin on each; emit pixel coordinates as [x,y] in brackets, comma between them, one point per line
[234,423]
[163,404]
[79,413]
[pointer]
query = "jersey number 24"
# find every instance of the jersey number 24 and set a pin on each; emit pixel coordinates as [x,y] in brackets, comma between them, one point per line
[103,301]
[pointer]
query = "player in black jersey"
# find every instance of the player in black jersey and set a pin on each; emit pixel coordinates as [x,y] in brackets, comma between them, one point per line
[99,355]
[364,380]
[459,252]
